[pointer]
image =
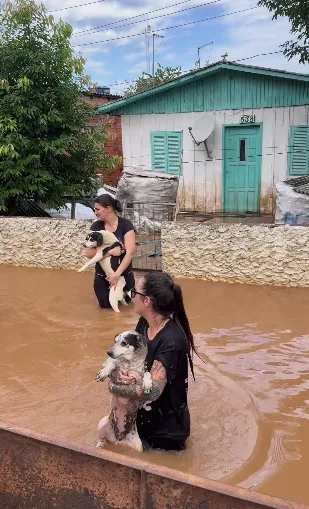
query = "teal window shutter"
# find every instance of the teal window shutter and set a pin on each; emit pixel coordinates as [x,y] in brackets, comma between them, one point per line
[158,151]
[166,151]
[299,151]
[174,152]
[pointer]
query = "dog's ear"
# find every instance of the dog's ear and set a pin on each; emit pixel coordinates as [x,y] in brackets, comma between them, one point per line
[143,340]
[133,339]
[98,237]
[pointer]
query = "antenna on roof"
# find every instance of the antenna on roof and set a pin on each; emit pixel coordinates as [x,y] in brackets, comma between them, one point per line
[198,62]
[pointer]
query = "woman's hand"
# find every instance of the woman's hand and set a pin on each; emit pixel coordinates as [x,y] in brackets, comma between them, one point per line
[113,280]
[125,378]
[90,252]
[122,379]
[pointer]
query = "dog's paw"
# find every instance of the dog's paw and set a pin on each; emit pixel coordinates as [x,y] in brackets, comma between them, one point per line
[100,444]
[101,376]
[147,382]
[80,270]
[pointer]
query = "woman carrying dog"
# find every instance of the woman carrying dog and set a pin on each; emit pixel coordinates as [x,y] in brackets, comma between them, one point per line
[106,209]
[164,420]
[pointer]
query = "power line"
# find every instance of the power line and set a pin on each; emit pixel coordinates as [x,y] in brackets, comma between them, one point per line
[81,33]
[75,6]
[127,82]
[133,17]
[260,55]
[168,28]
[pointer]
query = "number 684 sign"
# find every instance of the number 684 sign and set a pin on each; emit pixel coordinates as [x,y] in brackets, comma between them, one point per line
[247,119]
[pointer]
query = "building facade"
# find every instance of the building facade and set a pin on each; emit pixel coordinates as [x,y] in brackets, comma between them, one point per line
[260,135]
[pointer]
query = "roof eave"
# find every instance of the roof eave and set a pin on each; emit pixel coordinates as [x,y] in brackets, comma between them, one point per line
[158,89]
[196,75]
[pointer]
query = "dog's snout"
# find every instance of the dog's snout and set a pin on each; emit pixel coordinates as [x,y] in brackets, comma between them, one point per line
[110,353]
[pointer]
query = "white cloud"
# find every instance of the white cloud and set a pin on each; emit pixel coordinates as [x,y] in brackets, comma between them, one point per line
[170,57]
[253,33]
[98,67]
[245,34]
[138,68]
[130,57]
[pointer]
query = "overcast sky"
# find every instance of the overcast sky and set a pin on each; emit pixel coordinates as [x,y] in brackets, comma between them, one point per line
[113,63]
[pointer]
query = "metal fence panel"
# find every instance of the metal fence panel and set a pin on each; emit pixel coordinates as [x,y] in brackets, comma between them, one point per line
[147,219]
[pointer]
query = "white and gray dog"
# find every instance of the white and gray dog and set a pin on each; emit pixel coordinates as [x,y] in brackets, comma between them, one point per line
[129,353]
[103,241]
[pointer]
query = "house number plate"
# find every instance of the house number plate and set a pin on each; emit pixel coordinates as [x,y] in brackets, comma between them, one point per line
[247,119]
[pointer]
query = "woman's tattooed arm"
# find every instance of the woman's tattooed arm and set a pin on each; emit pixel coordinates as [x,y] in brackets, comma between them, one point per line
[135,391]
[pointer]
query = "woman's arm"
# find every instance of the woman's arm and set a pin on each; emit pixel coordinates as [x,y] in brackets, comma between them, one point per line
[135,391]
[130,247]
[90,252]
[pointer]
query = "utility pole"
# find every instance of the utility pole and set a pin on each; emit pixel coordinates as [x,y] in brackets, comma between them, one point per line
[147,32]
[153,54]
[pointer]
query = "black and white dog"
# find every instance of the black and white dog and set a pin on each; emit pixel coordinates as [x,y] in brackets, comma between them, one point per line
[128,353]
[103,241]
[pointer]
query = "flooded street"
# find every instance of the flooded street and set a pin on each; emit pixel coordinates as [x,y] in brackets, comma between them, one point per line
[249,405]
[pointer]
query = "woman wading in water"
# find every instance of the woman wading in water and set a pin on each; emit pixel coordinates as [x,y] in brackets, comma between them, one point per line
[164,420]
[106,209]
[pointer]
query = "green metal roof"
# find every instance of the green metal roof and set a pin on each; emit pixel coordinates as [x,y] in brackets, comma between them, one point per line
[121,106]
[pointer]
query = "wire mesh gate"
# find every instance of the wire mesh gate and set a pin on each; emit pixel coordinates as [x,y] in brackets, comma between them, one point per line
[147,219]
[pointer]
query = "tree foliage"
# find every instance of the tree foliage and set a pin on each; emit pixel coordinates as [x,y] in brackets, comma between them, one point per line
[147,81]
[46,150]
[298,13]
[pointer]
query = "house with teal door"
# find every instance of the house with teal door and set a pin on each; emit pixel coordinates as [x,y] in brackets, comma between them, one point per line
[256,127]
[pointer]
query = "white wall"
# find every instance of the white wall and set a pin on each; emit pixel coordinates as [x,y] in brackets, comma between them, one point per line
[201,184]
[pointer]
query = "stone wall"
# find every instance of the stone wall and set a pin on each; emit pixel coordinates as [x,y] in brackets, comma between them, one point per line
[49,243]
[230,253]
[237,254]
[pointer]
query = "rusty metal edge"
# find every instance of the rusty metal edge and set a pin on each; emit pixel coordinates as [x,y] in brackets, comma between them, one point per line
[161,471]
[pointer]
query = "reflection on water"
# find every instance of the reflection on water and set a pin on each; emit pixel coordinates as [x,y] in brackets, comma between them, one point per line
[249,406]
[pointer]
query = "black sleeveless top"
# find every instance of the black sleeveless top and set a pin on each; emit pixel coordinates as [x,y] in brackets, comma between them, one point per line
[168,416]
[124,226]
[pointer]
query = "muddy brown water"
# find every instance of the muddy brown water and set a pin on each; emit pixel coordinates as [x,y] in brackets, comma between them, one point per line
[249,405]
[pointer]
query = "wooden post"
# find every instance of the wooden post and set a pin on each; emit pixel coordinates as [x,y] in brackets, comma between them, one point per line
[73,207]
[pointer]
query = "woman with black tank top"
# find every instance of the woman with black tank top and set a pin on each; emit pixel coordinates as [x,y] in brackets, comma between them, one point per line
[163,422]
[106,209]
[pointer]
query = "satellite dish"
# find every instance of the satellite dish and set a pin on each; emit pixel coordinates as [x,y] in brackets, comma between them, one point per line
[203,128]
[201,131]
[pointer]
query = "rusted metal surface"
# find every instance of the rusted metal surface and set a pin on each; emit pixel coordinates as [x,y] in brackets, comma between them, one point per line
[38,473]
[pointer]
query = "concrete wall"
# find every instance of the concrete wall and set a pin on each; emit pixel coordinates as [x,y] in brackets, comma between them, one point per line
[201,184]
[237,254]
[49,243]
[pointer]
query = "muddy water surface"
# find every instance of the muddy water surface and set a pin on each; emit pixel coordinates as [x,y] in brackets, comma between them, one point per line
[249,406]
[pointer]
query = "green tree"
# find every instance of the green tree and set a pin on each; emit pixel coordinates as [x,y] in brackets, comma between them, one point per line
[298,13]
[46,149]
[147,81]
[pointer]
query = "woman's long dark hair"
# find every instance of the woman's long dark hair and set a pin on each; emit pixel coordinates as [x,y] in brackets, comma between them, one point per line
[167,300]
[106,200]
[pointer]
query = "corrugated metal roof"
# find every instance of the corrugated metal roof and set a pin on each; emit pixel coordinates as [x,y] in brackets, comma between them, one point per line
[29,209]
[198,74]
[299,184]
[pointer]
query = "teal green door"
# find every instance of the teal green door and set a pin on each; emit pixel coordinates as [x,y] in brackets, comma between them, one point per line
[242,169]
